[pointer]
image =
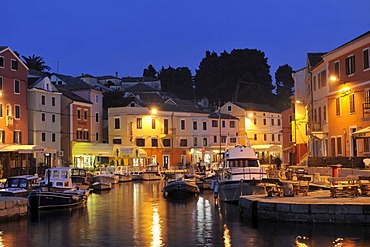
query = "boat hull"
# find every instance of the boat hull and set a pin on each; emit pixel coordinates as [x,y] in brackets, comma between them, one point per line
[151,176]
[180,189]
[230,191]
[101,186]
[41,200]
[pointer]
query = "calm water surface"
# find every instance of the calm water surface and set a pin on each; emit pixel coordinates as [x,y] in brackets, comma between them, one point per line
[136,214]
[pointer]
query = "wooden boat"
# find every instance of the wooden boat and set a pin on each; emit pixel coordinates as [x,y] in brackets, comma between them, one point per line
[20,186]
[101,186]
[56,191]
[123,174]
[79,178]
[179,187]
[152,172]
[241,173]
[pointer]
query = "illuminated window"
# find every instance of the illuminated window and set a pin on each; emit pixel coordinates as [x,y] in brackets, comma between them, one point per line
[350,65]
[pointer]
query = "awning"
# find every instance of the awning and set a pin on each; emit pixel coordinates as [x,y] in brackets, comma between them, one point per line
[23,149]
[96,149]
[319,135]
[128,151]
[362,133]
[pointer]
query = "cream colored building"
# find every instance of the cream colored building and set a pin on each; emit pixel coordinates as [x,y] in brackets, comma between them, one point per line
[262,124]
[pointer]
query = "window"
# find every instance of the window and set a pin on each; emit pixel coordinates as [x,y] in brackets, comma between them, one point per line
[43,117]
[195,125]
[96,99]
[223,124]
[195,141]
[53,118]
[97,117]
[229,108]
[16,87]
[140,142]
[1,83]
[314,83]
[366,145]
[117,123]
[53,137]
[153,123]
[183,142]
[166,142]
[365,55]
[85,115]
[79,134]
[214,139]
[78,113]
[319,114]
[324,113]
[1,110]
[17,110]
[43,137]
[182,124]
[336,69]
[214,123]
[14,64]
[96,136]
[273,137]
[264,121]
[86,135]
[17,137]
[255,121]
[278,137]
[1,62]
[272,122]
[117,141]
[205,141]
[165,126]
[139,123]
[154,142]
[332,146]
[255,137]
[339,145]
[53,101]
[323,78]
[351,99]
[337,106]
[264,137]
[232,124]
[223,139]
[42,99]
[204,125]
[279,122]
[2,136]
[350,65]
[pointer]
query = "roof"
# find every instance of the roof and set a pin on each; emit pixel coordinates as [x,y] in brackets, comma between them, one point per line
[315,58]
[85,75]
[106,77]
[222,116]
[3,48]
[140,87]
[351,41]
[72,96]
[255,107]
[73,83]
[138,79]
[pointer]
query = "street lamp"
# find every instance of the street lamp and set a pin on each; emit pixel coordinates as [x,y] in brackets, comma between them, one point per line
[335,78]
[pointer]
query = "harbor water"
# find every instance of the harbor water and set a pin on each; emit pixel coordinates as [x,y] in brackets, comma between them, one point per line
[136,214]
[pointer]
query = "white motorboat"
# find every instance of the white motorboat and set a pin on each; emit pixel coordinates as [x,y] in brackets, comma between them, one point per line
[241,173]
[97,186]
[123,174]
[105,174]
[152,172]
[79,178]
[19,186]
[136,175]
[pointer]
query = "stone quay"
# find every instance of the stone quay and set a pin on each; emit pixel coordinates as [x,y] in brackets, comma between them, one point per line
[13,207]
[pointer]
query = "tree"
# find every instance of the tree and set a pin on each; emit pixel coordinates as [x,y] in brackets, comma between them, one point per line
[150,72]
[36,63]
[242,75]
[178,81]
[284,86]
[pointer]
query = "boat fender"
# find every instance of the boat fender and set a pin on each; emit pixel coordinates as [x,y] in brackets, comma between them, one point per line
[212,184]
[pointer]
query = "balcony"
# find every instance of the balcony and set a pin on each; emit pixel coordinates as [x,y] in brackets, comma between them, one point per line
[314,126]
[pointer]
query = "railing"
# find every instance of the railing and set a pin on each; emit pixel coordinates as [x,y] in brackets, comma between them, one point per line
[314,126]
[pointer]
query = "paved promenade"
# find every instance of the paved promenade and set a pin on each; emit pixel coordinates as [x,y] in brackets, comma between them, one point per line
[316,207]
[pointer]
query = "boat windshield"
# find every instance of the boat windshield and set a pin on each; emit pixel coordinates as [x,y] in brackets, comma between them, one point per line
[243,163]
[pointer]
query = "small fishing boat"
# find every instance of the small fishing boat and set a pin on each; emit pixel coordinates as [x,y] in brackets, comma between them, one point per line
[136,175]
[56,191]
[105,174]
[79,178]
[178,187]
[98,186]
[19,186]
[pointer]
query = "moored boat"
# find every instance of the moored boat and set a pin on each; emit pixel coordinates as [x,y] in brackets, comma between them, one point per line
[97,186]
[19,186]
[105,174]
[179,187]
[152,172]
[79,178]
[241,173]
[123,174]
[136,175]
[56,191]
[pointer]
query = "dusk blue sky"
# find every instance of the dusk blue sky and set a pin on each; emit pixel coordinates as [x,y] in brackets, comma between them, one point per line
[102,37]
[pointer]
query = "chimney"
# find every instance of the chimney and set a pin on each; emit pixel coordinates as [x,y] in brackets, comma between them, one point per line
[117,74]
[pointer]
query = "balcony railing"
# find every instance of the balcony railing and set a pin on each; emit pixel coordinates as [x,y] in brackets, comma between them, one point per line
[314,126]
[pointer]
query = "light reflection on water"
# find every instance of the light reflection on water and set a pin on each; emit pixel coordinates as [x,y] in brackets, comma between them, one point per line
[136,214]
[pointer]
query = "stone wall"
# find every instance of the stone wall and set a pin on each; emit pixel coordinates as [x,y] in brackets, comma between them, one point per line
[13,207]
